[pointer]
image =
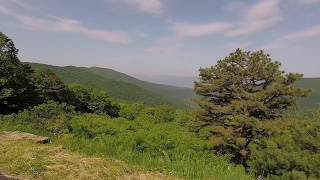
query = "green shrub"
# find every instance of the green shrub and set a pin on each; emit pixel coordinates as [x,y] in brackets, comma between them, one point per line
[90,101]
[166,147]
[292,150]
[158,114]
[131,110]
[141,136]
[51,116]
[91,126]
[292,175]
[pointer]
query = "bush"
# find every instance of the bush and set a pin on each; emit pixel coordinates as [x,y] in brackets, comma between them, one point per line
[155,145]
[90,101]
[51,116]
[158,114]
[131,110]
[290,152]
[139,136]
[91,126]
[185,118]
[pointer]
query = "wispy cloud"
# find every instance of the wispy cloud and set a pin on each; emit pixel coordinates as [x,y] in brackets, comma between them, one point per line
[258,17]
[308,1]
[261,16]
[21,4]
[310,32]
[59,24]
[236,6]
[154,7]
[195,30]
[168,45]
[161,50]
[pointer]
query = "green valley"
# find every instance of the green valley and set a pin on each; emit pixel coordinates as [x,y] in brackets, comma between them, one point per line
[314,99]
[122,86]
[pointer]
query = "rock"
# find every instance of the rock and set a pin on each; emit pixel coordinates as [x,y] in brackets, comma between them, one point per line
[17,135]
[6,177]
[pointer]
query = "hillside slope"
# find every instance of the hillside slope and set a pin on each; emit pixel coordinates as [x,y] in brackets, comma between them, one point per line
[179,81]
[314,99]
[120,85]
[123,86]
[173,92]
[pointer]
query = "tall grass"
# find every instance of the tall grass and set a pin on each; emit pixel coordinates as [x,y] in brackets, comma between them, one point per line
[151,139]
[187,164]
[165,147]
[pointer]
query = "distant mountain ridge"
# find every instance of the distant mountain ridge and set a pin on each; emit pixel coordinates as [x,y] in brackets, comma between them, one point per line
[122,86]
[179,81]
[311,83]
[314,99]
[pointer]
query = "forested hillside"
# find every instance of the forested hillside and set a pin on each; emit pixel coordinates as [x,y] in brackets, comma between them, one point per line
[174,93]
[119,85]
[173,80]
[314,99]
[123,86]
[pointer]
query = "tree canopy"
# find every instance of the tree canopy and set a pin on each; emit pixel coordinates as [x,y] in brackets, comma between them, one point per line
[238,92]
[90,101]
[21,87]
[247,83]
[49,86]
[16,88]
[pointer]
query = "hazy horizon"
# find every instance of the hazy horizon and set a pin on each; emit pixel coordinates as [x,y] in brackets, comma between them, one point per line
[162,37]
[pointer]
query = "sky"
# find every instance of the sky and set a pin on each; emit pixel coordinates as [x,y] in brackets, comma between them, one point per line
[163,37]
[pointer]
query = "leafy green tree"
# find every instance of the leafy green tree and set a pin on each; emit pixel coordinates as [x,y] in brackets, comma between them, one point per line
[241,90]
[50,116]
[16,88]
[49,86]
[90,101]
[101,103]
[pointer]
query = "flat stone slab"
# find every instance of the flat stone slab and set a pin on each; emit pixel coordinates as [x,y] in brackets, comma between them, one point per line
[6,177]
[17,135]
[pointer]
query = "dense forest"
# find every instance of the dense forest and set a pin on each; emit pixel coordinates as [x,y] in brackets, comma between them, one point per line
[243,123]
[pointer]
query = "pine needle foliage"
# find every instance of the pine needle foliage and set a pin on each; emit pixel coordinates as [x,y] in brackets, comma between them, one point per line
[238,92]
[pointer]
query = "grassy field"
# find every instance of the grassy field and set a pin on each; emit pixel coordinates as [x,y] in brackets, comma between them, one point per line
[27,160]
[156,140]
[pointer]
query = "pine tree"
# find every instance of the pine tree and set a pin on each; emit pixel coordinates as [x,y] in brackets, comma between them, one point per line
[241,90]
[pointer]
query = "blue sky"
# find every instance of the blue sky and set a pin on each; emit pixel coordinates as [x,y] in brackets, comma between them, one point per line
[163,37]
